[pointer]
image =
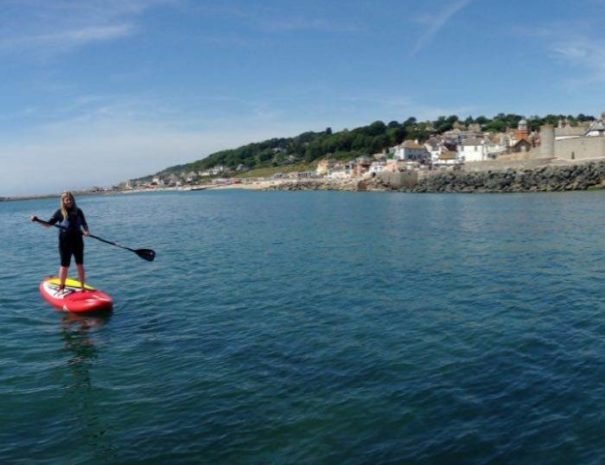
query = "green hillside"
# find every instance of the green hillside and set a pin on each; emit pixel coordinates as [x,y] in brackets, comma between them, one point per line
[309,147]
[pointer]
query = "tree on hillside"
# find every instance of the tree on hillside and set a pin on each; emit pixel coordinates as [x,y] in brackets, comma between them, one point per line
[348,144]
[395,135]
[377,128]
[444,124]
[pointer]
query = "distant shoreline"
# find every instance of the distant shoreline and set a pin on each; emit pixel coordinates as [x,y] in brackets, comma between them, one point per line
[545,178]
[16,198]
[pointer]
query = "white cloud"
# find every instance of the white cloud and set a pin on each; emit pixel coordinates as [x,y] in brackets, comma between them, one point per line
[437,22]
[581,49]
[588,54]
[47,27]
[65,40]
[307,24]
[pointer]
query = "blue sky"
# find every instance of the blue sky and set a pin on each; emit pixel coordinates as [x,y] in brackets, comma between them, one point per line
[95,92]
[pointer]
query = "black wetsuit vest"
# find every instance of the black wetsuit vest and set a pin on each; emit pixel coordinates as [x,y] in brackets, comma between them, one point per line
[73,224]
[70,235]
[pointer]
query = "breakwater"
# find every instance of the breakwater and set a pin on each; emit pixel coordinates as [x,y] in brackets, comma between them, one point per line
[544,179]
[549,178]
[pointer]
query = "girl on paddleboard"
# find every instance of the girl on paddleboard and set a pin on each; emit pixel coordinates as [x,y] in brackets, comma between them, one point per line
[73,225]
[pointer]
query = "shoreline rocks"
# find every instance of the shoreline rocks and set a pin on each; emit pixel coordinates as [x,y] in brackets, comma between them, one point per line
[547,177]
[352,185]
[550,178]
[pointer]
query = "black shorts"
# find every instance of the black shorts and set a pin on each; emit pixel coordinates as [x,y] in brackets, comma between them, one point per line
[71,245]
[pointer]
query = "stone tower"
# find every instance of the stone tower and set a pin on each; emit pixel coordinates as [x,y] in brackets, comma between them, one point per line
[547,141]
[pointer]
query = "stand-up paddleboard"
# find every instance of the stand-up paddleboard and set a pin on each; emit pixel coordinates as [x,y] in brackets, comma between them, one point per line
[73,298]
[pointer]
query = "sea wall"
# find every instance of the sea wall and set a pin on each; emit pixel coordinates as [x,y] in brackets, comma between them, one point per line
[550,178]
[543,179]
[580,148]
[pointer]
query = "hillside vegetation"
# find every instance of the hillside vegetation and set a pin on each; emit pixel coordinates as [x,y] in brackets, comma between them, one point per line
[309,147]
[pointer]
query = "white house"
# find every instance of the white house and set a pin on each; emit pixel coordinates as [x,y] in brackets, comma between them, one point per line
[434,147]
[473,150]
[411,151]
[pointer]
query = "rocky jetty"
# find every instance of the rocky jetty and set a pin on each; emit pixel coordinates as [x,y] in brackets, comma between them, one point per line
[544,179]
[328,185]
[550,178]
[322,184]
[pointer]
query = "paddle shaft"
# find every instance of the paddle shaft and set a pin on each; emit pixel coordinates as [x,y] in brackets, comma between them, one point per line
[110,242]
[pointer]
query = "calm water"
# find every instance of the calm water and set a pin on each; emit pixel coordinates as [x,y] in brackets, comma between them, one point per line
[311,328]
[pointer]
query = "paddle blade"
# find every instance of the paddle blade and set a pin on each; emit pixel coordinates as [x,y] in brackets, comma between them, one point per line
[145,254]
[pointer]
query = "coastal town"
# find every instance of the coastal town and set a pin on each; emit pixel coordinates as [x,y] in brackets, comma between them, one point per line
[465,159]
[465,150]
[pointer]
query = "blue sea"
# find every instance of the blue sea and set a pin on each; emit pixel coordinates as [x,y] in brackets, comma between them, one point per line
[311,328]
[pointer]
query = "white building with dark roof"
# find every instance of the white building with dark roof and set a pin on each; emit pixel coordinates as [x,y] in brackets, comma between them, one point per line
[473,150]
[411,151]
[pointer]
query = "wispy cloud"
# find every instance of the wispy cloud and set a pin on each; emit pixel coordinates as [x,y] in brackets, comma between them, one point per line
[66,40]
[437,22]
[579,52]
[278,19]
[47,28]
[585,55]
[307,24]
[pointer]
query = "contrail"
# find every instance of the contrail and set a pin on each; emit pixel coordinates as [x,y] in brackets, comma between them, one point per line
[437,23]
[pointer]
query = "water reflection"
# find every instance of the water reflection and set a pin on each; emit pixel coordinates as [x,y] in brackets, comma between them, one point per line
[82,397]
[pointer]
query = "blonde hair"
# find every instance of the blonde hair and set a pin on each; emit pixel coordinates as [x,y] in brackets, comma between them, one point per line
[67,195]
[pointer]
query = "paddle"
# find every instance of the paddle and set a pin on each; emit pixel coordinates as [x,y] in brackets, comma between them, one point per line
[145,254]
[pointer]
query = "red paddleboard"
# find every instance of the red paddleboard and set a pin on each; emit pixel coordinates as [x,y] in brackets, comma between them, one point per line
[73,298]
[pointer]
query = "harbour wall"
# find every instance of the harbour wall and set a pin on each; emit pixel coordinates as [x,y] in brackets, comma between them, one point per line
[549,178]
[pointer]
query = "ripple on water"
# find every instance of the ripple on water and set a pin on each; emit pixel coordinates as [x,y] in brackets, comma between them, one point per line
[312,328]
